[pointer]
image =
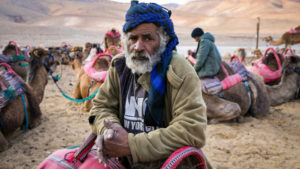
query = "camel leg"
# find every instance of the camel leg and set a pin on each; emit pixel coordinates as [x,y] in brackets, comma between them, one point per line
[3,142]
[77,93]
[87,105]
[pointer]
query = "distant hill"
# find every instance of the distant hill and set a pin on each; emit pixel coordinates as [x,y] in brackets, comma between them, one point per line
[239,16]
[70,17]
[171,5]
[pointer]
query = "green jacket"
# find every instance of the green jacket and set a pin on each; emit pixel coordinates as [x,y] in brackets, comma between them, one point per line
[185,112]
[208,56]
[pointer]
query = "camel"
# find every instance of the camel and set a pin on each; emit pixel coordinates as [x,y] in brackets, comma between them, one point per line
[85,85]
[112,38]
[241,53]
[19,65]
[87,49]
[289,85]
[287,39]
[236,101]
[41,62]
[13,114]
[76,53]
[257,53]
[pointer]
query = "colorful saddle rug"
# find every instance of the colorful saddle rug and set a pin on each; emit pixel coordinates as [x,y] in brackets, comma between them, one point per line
[214,85]
[211,86]
[85,157]
[14,86]
[238,67]
[263,70]
[89,69]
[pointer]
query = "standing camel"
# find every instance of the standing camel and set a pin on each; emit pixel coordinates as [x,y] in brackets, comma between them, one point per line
[286,39]
[13,114]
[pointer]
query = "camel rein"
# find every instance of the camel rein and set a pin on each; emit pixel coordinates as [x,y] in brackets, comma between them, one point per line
[72,99]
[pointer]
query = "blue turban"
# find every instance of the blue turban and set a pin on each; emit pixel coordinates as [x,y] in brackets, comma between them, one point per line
[140,13]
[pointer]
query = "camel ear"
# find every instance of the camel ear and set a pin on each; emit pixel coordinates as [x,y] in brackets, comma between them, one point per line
[36,53]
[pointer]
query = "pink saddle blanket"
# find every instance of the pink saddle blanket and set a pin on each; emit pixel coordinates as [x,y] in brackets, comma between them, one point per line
[15,85]
[84,157]
[261,69]
[89,69]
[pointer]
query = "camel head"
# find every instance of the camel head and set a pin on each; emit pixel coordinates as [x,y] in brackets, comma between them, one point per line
[76,52]
[77,55]
[291,64]
[88,45]
[257,53]
[240,53]
[19,63]
[112,37]
[40,57]
[267,39]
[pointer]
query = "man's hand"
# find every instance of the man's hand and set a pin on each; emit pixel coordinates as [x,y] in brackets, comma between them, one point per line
[113,142]
[117,145]
[108,134]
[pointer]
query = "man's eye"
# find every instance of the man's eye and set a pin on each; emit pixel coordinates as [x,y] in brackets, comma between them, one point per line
[133,38]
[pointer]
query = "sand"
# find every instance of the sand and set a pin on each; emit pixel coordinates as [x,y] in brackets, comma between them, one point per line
[270,142]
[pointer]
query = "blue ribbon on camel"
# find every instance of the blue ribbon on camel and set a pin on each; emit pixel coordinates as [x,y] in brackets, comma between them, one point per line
[140,13]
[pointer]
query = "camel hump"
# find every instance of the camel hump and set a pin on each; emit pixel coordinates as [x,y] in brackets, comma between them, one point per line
[11,85]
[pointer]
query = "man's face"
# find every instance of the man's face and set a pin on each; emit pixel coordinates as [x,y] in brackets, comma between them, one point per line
[143,48]
[197,38]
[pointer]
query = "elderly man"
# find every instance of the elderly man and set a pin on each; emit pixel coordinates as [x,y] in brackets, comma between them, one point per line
[150,104]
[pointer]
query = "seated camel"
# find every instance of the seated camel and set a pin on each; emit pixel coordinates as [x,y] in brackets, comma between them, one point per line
[242,99]
[76,53]
[13,114]
[65,53]
[18,60]
[268,66]
[289,85]
[86,84]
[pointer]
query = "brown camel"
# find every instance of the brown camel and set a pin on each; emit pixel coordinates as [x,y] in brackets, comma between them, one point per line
[20,66]
[41,62]
[287,39]
[13,114]
[85,85]
[87,50]
[76,53]
[112,38]
[289,85]
[236,101]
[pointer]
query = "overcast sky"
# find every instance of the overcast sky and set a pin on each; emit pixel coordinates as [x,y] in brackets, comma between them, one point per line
[157,1]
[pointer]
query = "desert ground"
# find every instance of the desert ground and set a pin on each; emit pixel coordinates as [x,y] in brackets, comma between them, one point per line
[269,142]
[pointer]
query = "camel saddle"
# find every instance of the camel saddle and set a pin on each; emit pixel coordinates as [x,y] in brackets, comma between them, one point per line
[295,30]
[11,85]
[263,70]
[214,85]
[89,69]
[85,157]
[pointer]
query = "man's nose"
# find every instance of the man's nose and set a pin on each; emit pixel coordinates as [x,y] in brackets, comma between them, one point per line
[139,46]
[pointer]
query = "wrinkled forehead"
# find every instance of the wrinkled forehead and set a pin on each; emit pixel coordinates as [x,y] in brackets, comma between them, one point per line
[144,29]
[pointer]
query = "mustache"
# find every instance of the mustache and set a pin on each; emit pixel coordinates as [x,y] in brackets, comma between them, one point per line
[140,55]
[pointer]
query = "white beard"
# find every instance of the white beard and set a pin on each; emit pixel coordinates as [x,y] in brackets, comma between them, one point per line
[141,66]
